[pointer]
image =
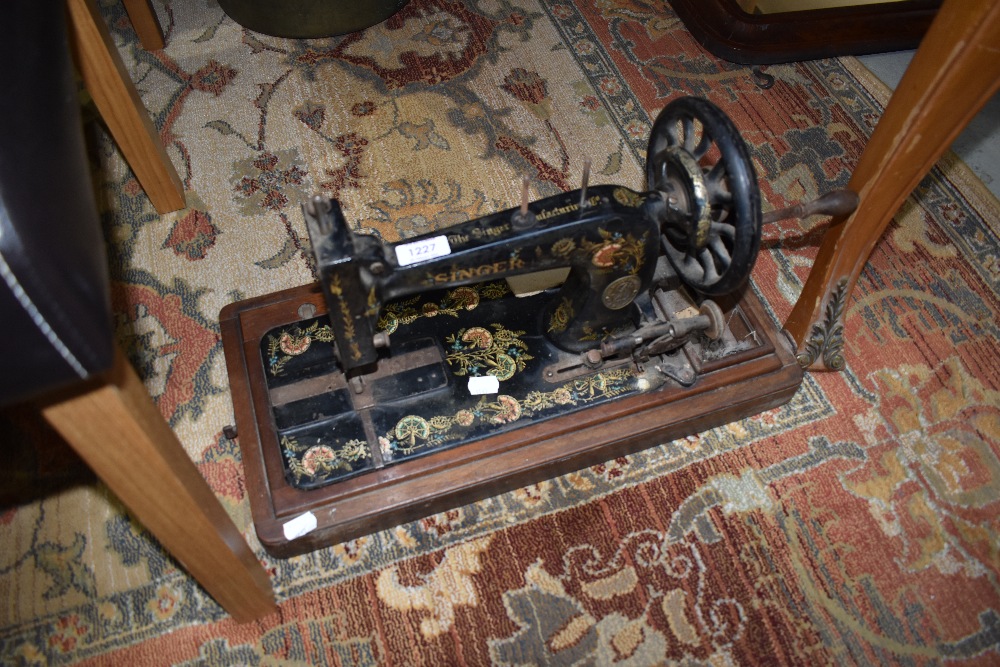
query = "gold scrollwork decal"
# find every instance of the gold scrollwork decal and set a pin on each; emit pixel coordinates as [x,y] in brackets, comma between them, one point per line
[615,251]
[347,321]
[293,341]
[399,313]
[477,350]
[627,197]
[414,433]
[320,461]
[561,316]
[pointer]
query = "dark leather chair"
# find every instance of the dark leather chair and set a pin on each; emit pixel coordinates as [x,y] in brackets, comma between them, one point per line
[58,353]
[55,297]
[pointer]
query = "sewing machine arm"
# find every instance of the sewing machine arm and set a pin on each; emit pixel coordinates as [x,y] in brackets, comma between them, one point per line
[610,246]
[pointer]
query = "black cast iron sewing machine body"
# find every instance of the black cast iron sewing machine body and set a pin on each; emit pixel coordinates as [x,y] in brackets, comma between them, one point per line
[609,246]
[450,366]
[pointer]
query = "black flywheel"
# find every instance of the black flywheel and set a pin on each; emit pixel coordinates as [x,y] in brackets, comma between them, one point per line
[700,163]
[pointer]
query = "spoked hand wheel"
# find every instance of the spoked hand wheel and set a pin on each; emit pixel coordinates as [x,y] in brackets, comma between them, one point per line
[698,160]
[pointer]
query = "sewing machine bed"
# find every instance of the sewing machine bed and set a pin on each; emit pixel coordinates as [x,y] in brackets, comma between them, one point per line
[419,438]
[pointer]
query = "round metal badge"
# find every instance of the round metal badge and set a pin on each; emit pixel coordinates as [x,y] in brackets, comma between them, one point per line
[621,292]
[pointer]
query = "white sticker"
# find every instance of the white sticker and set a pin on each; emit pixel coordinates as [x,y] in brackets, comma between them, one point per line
[299,526]
[487,384]
[422,250]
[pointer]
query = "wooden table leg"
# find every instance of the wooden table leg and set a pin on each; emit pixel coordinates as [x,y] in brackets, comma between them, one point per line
[953,74]
[143,18]
[104,74]
[116,428]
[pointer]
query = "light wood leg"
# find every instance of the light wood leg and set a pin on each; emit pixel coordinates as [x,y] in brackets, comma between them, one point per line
[143,18]
[116,428]
[104,74]
[952,75]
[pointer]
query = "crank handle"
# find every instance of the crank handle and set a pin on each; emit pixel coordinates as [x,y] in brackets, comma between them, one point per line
[834,203]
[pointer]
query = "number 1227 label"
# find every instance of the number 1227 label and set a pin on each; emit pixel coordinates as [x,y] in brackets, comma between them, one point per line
[422,250]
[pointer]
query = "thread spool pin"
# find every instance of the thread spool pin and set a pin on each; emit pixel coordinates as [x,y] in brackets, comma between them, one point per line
[523,218]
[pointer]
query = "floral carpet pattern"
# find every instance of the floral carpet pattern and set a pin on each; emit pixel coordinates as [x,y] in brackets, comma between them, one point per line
[855,525]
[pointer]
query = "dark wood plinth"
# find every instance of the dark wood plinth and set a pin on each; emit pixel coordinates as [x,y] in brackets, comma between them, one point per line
[731,388]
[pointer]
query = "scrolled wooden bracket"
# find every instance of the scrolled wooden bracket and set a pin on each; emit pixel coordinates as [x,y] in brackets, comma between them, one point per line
[826,339]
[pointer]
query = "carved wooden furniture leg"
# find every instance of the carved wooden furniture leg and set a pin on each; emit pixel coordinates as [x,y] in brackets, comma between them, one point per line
[143,18]
[116,428]
[953,74]
[104,74]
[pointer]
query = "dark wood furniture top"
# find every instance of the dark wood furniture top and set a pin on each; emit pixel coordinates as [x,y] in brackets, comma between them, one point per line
[728,32]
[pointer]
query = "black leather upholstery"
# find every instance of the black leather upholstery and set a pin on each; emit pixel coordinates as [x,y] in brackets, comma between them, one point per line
[55,315]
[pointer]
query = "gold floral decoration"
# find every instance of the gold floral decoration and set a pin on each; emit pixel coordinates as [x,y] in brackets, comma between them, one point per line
[292,342]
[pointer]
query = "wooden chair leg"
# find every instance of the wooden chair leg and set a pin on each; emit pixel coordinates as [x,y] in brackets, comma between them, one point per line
[104,74]
[143,18]
[116,428]
[952,75]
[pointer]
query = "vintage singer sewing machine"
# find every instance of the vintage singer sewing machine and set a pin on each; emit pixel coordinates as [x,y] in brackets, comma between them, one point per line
[421,375]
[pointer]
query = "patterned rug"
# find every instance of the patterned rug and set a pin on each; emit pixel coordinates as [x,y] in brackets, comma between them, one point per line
[855,525]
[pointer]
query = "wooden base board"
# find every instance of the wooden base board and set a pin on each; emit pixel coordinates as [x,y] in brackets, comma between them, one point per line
[728,389]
